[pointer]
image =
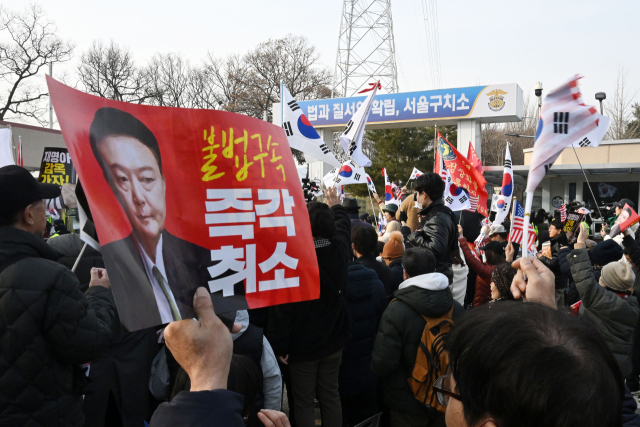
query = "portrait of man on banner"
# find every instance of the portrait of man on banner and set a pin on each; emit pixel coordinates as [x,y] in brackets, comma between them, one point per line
[161,269]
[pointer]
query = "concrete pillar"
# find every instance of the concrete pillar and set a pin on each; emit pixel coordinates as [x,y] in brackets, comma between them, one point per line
[469,130]
[546,194]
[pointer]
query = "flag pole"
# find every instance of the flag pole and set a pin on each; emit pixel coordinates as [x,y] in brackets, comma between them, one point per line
[588,183]
[513,204]
[373,209]
[525,227]
[75,264]
[435,147]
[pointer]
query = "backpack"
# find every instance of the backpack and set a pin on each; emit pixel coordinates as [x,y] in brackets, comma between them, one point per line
[432,360]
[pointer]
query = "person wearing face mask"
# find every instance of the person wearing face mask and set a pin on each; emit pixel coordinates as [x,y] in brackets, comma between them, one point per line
[437,230]
[48,327]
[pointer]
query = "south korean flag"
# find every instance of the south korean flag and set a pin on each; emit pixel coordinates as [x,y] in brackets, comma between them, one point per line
[348,173]
[503,204]
[301,134]
[351,138]
[455,197]
[415,174]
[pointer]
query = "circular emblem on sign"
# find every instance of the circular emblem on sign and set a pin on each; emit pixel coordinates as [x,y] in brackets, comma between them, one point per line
[445,151]
[496,99]
[557,202]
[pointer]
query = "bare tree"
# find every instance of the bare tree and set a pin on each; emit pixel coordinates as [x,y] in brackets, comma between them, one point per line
[291,60]
[110,72]
[28,42]
[170,81]
[223,83]
[620,109]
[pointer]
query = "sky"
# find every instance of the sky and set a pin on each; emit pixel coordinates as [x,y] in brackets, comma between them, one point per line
[481,42]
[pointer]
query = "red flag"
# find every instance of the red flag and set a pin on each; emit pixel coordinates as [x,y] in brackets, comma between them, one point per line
[464,174]
[373,86]
[472,156]
[20,160]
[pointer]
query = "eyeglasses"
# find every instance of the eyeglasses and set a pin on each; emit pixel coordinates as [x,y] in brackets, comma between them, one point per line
[442,388]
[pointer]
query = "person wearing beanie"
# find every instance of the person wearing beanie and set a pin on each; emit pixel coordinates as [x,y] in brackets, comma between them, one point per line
[605,252]
[501,279]
[392,256]
[608,306]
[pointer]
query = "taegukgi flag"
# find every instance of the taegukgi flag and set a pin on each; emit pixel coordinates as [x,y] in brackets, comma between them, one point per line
[348,173]
[301,134]
[415,174]
[351,138]
[389,196]
[503,204]
[564,120]
[455,197]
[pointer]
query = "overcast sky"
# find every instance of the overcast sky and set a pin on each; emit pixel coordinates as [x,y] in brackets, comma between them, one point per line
[481,42]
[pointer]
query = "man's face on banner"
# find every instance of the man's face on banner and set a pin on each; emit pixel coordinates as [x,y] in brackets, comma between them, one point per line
[137,183]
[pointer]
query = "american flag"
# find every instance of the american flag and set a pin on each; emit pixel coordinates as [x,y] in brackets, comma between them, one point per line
[563,212]
[517,228]
[474,203]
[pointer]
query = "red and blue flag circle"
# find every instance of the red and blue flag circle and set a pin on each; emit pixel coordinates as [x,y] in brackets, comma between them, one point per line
[507,185]
[501,204]
[345,171]
[387,193]
[369,181]
[306,129]
[455,190]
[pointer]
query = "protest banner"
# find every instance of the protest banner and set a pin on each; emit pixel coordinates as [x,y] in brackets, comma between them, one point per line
[184,198]
[573,222]
[626,219]
[56,167]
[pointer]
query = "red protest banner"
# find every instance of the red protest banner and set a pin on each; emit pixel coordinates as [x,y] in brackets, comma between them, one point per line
[464,174]
[183,198]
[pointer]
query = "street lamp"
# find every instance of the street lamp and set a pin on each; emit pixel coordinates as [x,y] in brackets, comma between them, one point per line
[601,96]
[538,92]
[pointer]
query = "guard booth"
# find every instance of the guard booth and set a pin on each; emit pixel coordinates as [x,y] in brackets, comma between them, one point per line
[465,107]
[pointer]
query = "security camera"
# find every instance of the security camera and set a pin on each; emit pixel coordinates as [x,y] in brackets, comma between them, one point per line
[538,89]
[601,96]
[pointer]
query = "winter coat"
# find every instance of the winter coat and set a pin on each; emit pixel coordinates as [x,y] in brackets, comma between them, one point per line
[438,232]
[216,408]
[382,270]
[48,327]
[399,334]
[553,264]
[613,316]
[482,294]
[311,330]
[366,300]
[408,206]
[483,270]
[70,246]
[396,274]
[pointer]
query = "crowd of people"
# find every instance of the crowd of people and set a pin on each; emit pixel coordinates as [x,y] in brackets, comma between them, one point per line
[420,325]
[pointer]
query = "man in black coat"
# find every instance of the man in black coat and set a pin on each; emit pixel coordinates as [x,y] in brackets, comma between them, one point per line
[549,257]
[438,231]
[353,209]
[155,273]
[364,242]
[48,327]
[309,336]
[424,292]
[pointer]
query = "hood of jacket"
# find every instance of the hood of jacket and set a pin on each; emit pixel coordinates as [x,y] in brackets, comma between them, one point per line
[428,294]
[14,241]
[242,317]
[360,282]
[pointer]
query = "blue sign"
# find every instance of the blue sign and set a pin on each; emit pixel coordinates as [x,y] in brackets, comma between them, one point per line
[438,104]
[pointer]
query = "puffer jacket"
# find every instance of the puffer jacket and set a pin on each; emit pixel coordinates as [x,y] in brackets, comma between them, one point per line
[553,264]
[613,316]
[396,273]
[366,300]
[438,232]
[399,334]
[48,327]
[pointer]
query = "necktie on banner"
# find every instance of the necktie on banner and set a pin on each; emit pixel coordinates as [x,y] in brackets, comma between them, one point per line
[389,195]
[564,120]
[563,212]
[464,174]
[455,197]
[301,134]
[415,174]
[348,173]
[472,156]
[351,138]
[517,228]
[503,204]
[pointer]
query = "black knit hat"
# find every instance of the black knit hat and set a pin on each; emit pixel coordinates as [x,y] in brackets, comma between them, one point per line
[502,276]
[605,252]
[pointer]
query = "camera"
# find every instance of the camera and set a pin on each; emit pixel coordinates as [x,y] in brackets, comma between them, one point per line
[311,190]
[538,89]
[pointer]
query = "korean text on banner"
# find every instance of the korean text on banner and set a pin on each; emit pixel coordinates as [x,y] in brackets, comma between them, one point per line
[187,198]
[56,167]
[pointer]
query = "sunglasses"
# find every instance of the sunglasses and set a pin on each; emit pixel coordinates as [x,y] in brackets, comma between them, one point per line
[443,390]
